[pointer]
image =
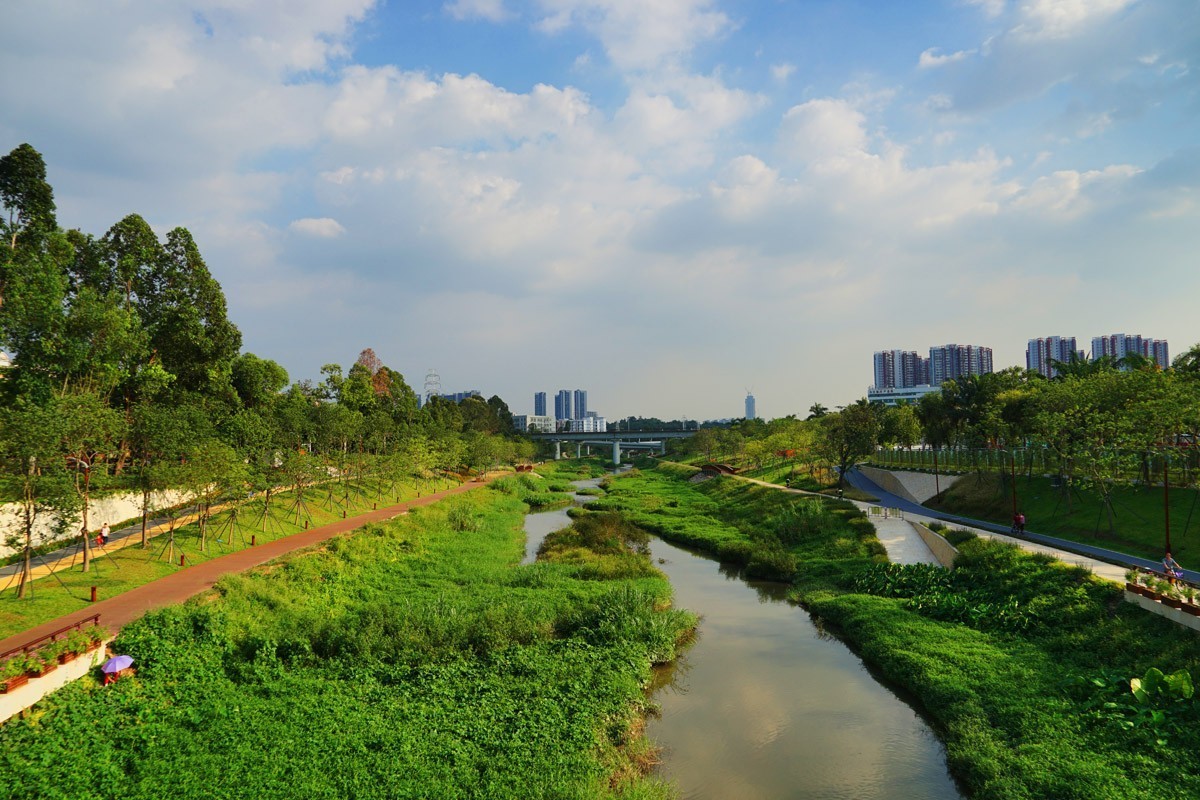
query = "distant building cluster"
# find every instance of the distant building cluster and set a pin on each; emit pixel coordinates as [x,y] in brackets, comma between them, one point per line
[1041,354]
[571,414]
[905,375]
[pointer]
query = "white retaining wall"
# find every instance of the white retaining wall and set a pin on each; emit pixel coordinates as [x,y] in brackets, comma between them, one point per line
[110,508]
[915,486]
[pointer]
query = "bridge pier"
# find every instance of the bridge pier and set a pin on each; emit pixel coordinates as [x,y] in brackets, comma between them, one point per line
[578,450]
[558,451]
[616,453]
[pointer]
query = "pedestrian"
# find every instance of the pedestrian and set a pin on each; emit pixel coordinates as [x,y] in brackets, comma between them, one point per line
[104,531]
[1019,522]
[1171,568]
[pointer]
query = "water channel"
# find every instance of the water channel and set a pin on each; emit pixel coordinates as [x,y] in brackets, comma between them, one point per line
[766,706]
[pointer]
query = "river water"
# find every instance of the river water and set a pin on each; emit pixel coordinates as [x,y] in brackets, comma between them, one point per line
[764,705]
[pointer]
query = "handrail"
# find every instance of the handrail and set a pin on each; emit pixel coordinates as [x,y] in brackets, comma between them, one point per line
[35,643]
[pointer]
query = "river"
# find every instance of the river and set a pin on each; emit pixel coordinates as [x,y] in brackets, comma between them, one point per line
[765,705]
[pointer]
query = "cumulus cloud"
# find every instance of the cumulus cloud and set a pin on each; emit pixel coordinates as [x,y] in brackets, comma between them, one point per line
[638,35]
[320,227]
[267,138]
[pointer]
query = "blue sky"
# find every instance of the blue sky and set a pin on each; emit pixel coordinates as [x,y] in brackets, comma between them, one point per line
[666,202]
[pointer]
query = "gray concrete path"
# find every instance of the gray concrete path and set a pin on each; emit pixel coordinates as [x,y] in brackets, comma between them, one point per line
[903,544]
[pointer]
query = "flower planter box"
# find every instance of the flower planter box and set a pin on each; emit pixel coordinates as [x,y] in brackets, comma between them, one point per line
[1171,602]
[1137,588]
[8,684]
[46,669]
[67,658]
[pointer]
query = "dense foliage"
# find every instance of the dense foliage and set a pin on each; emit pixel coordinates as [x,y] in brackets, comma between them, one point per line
[127,372]
[413,659]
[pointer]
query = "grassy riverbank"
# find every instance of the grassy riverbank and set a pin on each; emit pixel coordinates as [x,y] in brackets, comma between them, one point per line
[412,659]
[1023,665]
[124,565]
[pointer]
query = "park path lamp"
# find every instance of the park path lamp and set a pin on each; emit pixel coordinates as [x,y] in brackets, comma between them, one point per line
[1166,501]
[1012,467]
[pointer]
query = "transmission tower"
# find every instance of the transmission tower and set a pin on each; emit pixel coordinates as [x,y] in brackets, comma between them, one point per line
[433,385]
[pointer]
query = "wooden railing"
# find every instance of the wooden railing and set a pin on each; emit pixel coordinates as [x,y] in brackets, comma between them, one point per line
[34,644]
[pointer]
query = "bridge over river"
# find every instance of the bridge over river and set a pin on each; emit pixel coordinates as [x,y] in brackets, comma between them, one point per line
[617,440]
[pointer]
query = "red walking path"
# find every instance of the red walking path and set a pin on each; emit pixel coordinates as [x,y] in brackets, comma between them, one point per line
[128,606]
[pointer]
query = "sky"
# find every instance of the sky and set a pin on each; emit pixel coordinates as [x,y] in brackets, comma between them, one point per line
[668,203]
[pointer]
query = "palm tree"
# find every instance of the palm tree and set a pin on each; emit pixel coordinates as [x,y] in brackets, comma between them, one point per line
[816,410]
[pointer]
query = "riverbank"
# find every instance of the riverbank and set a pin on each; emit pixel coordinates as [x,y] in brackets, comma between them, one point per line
[413,659]
[1024,665]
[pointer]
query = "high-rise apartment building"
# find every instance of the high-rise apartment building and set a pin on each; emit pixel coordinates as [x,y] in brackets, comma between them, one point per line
[539,404]
[1119,345]
[580,404]
[900,369]
[1041,354]
[952,361]
[750,411]
[562,404]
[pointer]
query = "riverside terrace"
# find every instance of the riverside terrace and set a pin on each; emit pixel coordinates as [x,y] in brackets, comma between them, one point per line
[628,440]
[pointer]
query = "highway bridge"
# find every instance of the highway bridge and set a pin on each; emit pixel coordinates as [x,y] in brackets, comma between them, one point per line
[618,440]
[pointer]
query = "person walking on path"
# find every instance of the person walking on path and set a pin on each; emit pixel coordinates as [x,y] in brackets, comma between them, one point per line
[104,531]
[1018,522]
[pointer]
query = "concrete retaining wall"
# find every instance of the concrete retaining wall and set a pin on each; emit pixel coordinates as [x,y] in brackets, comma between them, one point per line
[942,550]
[21,698]
[110,508]
[1155,607]
[915,486]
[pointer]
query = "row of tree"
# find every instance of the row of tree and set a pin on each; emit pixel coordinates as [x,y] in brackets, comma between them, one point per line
[126,370]
[1099,422]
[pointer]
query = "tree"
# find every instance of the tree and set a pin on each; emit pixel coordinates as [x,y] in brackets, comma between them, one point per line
[33,469]
[257,381]
[210,469]
[816,411]
[89,430]
[25,198]
[183,307]
[846,436]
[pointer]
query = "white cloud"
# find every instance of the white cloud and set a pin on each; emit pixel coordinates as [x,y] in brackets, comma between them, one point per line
[1057,19]
[781,72]
[490,10]
[639,35]
[930,58]
[321,227]
[823,128]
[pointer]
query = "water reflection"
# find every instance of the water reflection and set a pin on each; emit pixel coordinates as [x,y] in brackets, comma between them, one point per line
[766,706]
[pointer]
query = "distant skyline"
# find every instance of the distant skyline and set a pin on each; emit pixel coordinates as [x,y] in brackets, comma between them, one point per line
[660,200]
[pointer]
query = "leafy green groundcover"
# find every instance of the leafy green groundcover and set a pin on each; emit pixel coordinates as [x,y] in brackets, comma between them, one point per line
[1027,667]
[411,660]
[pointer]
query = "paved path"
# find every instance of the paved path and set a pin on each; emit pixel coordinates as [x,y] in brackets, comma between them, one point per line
[128,606]
[1104,563]
[903,544]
